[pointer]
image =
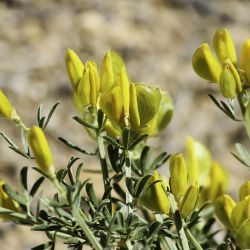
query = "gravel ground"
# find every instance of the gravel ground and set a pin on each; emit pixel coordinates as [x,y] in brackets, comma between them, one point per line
[155,38]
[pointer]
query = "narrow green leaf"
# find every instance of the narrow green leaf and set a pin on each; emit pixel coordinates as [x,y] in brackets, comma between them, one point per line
[46,227]
[73,240]
[113,142]
[84,123]
[78,171]
[113,153]
[8,140]
[125,137]
[142,183]
[137,141]
[247,119]
[159,160]
[119,191]
[36,186]
[73,146]
[178,220]
[144,159]
[91,194]
[18,151]
[243,154]
[41,122]
[130,186]
[153,228]
[23,178]
[100,118]
[50,115]
[42,246]
[41,172]
[229,111]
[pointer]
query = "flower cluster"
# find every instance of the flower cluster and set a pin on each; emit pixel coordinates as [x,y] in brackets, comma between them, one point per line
[236,216]
[224,71]
[143,108]
[186,178]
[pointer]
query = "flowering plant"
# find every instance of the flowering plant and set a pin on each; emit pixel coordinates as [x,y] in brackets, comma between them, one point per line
[140,208]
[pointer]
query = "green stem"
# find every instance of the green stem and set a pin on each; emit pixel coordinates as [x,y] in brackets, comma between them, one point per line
[103,161]
[166,242]
[193,240]
[15,117]
[242,107]
[88,233]
[18,216]
[181,232]
[128,159]
[59,187]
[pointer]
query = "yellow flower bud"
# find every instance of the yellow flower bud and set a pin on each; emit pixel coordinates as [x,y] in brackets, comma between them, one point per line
[117,107]
[218,179]
[178,172]
[230,83]
[205,64]
[74,68]
[240,213]
[162,117]
[133,109]
[165,112]
[7,202]
[112,130]
[6,109]
[224,46]
[148,101]
[244,190]
[77,102]
[198,160]
[89,85]
[224,206]
[111,67]
[155,198]
[41,150]
[243,235]
[245,61]
[189,200]
[124,84]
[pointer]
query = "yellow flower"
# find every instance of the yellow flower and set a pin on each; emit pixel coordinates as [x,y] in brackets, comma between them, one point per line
[216,183]
[7,202]
[245,61]
[6,109]
[224,47]
[74,67]
[41,150]
[189,200]
[224,206]
[178,172]
[161,118]
[89,85]
[240,213]
[143,104]
[230,83]
[155,198]
[198,160]
[243,235]
[207,67]
[244,190]
[111,68]
[205,64]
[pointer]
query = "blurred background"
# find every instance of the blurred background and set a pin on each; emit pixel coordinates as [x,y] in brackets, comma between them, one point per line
[156,39]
